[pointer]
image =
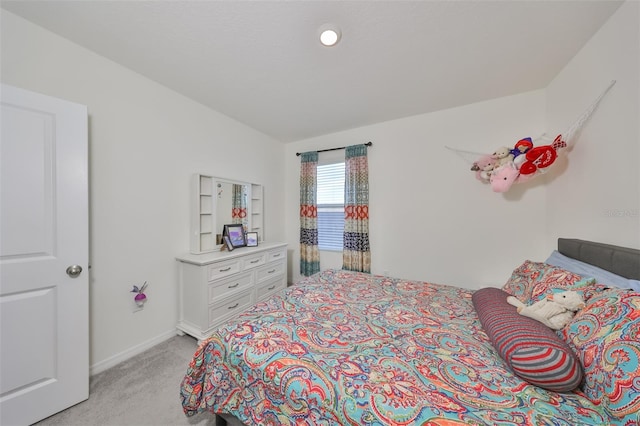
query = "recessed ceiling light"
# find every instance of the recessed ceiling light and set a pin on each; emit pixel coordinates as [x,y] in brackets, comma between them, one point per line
[329,35]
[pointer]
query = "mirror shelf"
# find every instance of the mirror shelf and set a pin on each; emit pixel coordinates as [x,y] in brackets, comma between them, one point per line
[216,202]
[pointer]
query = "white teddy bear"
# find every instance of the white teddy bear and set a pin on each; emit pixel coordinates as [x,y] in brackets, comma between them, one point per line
[502,156]
[555,311]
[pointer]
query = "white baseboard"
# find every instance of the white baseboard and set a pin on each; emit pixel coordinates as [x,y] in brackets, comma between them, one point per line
[101,366]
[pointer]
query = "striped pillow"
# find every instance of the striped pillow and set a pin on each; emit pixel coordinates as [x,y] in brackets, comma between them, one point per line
[531,349]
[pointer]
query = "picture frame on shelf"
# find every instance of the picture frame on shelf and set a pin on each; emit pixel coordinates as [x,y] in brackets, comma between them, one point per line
[252,239]
[235,232]
[227,243]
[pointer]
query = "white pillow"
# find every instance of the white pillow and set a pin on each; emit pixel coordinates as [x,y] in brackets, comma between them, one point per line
[589,271]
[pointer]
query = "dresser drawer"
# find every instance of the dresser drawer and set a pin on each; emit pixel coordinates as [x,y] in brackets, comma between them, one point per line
[229,285]
[270,287]
[254,261]
[223,269]
[230,306]
[269,271]
[275,255]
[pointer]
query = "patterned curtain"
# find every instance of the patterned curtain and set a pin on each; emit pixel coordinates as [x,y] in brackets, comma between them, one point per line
[309,252]
[356,255]
[238,204]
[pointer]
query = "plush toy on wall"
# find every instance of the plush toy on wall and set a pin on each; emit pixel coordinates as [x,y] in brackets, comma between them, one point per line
[502,178]
[484,167]
[521,147]
[528,157]
[140,298]
[502,156]
[555,311]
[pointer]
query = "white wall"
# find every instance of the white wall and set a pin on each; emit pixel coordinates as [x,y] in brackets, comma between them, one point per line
[145,142]
[597,197]
[429,217]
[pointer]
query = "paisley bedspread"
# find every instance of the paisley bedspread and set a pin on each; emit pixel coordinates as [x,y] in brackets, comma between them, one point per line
[345,348]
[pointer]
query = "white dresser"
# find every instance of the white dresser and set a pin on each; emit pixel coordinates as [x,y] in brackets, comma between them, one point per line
[214,287]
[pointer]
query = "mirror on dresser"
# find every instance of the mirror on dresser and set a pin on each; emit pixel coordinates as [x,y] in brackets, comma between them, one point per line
[216,202]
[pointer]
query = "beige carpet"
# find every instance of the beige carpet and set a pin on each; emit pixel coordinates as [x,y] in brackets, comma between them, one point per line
[144,390]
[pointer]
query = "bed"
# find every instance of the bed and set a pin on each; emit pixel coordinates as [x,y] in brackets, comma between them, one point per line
[346,348]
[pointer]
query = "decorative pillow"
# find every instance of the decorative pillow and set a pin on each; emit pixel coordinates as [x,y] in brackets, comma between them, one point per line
[532,350]
[606,337]
[523,278]
[556,280]
[534,281]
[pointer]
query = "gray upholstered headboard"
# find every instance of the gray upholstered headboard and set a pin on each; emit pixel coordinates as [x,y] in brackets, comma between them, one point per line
[619,260]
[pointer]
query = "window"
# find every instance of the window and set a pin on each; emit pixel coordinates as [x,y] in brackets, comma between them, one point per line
[330,206]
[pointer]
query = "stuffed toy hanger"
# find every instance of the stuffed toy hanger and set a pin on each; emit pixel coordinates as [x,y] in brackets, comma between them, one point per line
[528,157]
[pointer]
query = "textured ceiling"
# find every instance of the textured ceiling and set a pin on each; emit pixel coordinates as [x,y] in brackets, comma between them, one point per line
[260,62]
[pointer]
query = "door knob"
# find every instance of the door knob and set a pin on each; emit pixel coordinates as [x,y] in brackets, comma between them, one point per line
[74,270]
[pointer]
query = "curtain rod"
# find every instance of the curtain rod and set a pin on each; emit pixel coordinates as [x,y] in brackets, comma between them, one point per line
[335,149]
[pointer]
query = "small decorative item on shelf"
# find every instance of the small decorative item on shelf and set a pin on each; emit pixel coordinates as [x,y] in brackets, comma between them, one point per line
[140,298]
[252,239]
[228,245]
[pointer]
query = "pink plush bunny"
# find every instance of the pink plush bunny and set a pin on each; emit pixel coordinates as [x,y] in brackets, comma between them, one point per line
[484,167]
[503,177]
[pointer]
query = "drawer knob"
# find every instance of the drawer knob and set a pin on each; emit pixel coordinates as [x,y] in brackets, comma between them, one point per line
[276,255]
[225,270]
[234,286]
[272,287]
[271,271]
[234,306]
[255,261]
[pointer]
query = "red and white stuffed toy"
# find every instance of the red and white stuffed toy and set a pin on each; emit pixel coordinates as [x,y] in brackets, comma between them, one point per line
[527,161]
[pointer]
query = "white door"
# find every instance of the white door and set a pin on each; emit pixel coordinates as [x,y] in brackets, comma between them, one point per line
[44,334]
